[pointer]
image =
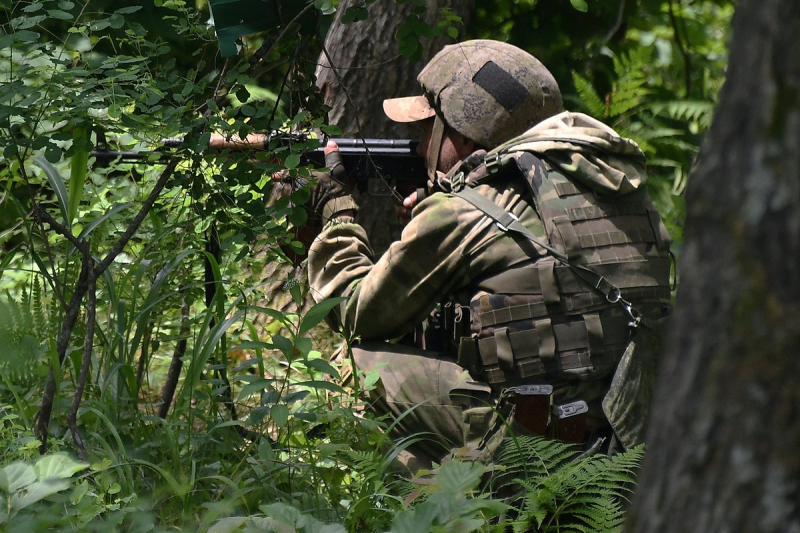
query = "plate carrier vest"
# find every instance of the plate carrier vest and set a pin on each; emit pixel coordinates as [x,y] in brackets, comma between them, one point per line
[604,272]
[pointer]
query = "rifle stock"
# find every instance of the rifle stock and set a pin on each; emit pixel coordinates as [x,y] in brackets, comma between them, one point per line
[377,165]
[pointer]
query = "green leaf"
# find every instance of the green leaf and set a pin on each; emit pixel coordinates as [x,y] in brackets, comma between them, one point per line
[323,366]
[58,466]
[317,314]
[25,36]
[37,491]
[580,5]
[280,414]
[60,15]
[292,161]
[255,386]
[78,171]
[327,7]
[331,130]
[415,520]
[114,111]
[19,475]
[229,525]
[327,385]
[96,222]
[459,477]
[57,183]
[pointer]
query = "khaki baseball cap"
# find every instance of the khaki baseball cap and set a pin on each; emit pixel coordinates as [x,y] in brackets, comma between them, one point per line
[408,109]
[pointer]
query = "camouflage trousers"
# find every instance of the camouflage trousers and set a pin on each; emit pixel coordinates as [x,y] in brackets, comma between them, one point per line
[434,405]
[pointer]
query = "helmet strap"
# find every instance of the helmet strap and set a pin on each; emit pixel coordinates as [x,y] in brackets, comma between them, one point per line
[437,136]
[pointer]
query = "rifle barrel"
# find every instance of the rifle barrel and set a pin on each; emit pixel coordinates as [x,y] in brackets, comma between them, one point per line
[365,159]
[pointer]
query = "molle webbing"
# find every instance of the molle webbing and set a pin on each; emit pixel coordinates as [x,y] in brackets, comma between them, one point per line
[595,340]
[600,249]
[544,277]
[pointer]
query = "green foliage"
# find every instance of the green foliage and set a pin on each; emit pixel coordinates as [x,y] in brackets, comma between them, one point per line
[260,433]
[556,492]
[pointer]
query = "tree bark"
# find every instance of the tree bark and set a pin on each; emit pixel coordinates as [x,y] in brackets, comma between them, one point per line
[724,437]
[367,69]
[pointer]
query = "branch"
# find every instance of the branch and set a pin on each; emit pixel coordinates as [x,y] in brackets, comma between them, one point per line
[72,415]
[137,220]
[148,332]
[59,228]
[175,366]
[62,342]
[53,276]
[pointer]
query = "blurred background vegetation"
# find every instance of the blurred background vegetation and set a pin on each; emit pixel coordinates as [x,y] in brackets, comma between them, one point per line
[138,322]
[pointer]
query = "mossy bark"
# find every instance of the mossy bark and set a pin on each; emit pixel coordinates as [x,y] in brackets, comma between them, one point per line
[724,437]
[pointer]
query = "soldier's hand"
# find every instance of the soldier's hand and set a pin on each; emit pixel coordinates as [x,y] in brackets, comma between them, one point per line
[403,210]
[331,195]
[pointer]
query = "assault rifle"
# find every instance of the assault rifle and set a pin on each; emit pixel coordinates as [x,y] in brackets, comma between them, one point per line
[376,165]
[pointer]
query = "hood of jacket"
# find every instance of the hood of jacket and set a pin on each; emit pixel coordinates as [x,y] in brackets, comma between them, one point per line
[586,150]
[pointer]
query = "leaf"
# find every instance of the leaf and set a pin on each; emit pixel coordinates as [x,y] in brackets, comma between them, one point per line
[415,520]
[580,5]
[323,366]
[59,14]
[459,477]
[228,525]
[292,161]
[255,386]
[78,170]
[99,220]
[58,466]
[18,476]
[128,10]
[317,314]
[280,414]
[37,491]
[327,385]
[57,183]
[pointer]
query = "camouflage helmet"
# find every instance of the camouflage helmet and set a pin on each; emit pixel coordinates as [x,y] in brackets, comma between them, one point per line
[486,90]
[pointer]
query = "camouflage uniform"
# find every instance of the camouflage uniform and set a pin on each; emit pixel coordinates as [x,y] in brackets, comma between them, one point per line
[444,253]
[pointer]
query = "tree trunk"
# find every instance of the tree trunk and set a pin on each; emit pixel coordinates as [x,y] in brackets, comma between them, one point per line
[725,433]
[368,64]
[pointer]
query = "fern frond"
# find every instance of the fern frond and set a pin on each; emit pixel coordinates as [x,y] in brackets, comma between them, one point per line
[580,495]
[688,111]
[586,92]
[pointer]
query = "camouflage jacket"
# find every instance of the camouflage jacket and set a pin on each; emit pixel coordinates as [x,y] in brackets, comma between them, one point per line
[449,243]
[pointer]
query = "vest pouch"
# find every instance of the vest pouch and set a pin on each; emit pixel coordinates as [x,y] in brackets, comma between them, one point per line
[532,405]
[570,422]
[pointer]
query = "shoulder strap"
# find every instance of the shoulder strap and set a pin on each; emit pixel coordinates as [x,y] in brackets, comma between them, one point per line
[508,223]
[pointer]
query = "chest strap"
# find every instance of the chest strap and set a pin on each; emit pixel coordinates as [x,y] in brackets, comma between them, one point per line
[508,223]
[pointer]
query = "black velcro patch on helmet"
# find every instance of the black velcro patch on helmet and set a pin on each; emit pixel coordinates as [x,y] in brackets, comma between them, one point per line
[503,87]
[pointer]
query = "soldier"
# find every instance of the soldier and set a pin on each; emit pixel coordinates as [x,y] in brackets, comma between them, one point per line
[538,246]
